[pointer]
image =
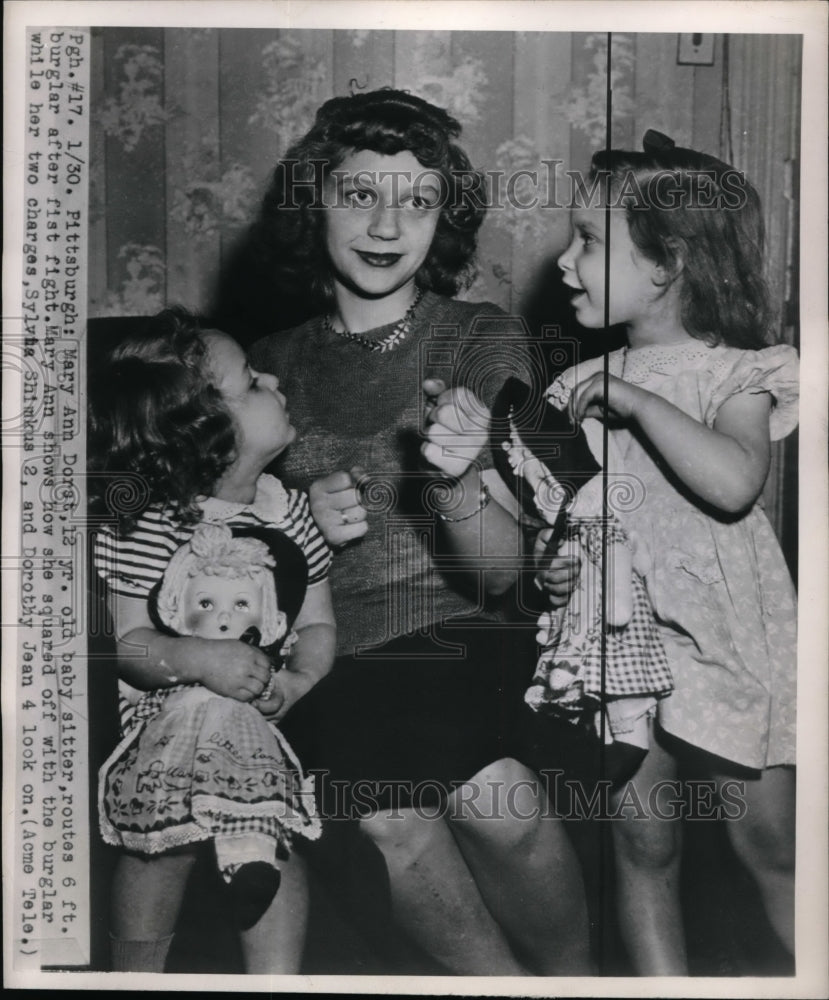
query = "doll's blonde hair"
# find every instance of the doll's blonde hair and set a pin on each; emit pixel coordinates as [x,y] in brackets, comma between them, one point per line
[214,551]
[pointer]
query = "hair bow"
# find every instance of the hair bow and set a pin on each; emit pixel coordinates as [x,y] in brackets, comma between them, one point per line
[656,142]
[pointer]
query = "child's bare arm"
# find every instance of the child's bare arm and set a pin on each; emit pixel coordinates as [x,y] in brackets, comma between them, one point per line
[312,655]
[147,659]
[725,466]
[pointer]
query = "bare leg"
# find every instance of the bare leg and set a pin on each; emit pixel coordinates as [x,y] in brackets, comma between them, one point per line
[764,840]
[147,893]
[274,945]
[434,897]
[648,849]
[524,866]
[146,899]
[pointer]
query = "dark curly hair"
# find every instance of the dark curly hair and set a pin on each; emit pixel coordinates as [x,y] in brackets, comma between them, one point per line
[288,235]
[701,220]
[154,413]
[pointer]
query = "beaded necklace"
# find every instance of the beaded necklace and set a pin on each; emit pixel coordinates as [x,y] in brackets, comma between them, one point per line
[388,343]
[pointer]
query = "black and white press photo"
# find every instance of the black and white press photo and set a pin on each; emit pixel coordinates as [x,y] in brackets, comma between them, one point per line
[414,498]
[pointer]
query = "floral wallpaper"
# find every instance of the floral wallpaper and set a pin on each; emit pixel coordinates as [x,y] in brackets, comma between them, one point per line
[296,83]
[137,105]
[189,123]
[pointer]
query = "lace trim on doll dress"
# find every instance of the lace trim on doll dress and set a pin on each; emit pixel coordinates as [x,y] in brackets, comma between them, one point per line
[559,391]
[181,789]
[548,493]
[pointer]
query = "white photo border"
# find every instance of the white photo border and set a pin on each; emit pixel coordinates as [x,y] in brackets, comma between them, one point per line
[806,18]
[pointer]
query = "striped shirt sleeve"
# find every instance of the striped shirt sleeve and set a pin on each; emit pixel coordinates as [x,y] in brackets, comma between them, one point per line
[308,537]
[131,565]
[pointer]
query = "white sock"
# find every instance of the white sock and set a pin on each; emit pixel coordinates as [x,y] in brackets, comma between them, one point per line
[139,956]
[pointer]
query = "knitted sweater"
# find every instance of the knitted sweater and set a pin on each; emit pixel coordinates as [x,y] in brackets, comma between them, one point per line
[352,406]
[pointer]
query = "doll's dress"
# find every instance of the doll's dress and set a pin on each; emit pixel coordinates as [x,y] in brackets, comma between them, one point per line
[193,765]
[568,675]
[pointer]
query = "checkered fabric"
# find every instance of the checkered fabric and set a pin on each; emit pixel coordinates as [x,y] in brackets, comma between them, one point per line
[568,675]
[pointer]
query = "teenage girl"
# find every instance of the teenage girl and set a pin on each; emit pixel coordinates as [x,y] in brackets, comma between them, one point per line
[182,409]
[694,401]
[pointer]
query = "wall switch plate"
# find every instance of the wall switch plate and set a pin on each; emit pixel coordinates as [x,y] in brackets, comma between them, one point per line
[696,49]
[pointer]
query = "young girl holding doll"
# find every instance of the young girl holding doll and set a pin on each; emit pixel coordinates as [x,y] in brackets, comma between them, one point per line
[181,409]
[692,404]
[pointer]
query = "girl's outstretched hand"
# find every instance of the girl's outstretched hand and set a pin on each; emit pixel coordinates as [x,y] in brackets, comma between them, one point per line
[232,668]
[456,428]
[588,399]
[336,507]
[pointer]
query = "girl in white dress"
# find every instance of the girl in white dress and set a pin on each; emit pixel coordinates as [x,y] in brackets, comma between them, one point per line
[692,403]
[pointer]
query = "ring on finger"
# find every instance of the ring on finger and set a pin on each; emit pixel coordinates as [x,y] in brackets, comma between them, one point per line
[344,517]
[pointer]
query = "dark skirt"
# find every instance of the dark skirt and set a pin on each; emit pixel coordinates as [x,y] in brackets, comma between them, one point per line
[409,723]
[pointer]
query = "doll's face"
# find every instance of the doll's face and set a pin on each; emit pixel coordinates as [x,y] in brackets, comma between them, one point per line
[215,607]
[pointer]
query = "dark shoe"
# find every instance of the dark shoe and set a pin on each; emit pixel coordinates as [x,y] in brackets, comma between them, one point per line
[252,889]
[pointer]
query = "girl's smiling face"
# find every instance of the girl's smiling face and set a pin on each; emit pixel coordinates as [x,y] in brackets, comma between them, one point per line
[380,221]
[263,428]
[634,288]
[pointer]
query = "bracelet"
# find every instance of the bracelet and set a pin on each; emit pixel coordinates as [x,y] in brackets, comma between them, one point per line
[483,500]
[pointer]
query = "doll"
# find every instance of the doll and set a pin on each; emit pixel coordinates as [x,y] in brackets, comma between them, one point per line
[217,587]
[194,765]
[555,469]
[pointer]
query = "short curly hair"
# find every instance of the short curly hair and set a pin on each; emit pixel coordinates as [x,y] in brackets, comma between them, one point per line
[289,233]
[155,413]
[701,220]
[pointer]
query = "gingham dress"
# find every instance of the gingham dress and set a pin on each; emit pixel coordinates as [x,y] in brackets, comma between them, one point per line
[568,676]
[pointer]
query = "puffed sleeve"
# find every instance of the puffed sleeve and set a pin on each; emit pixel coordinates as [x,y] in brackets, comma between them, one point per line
[774,370]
